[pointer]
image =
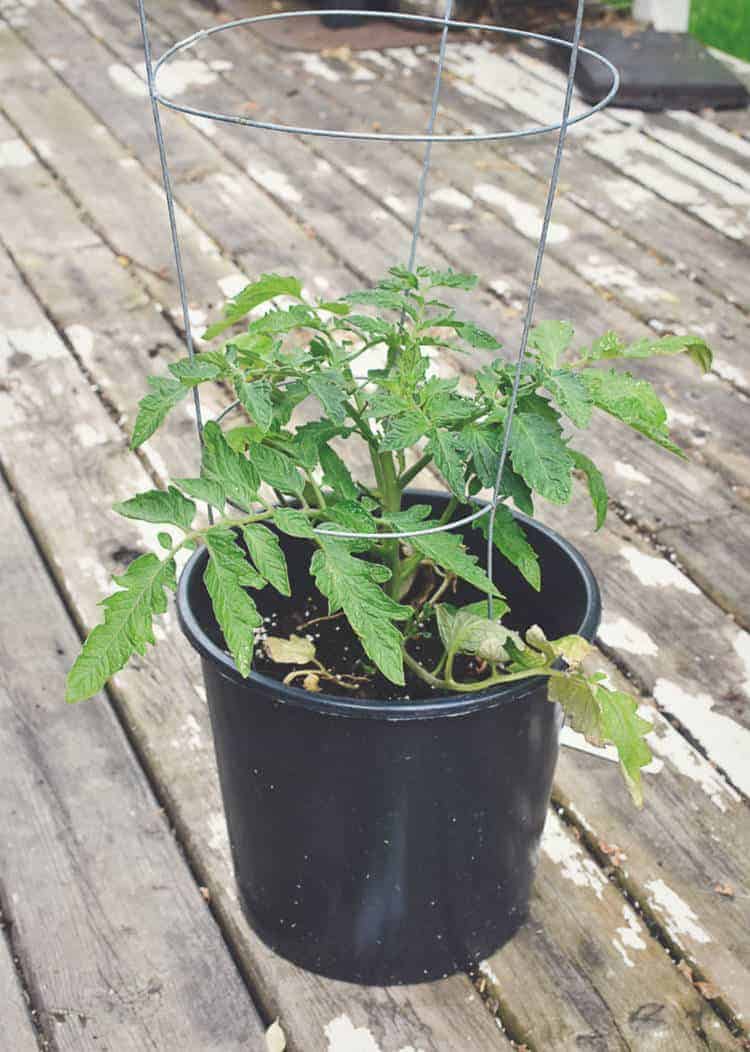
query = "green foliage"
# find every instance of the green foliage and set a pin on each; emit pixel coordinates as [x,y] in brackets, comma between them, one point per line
[390,590]
[127,626]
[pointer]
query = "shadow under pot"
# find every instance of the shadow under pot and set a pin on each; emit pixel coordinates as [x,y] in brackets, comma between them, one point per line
[387,842]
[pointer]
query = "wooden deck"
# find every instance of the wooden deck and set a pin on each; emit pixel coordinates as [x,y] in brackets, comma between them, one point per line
[121,926]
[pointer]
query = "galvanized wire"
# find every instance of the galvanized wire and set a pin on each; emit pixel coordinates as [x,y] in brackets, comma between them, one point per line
[429,137]
[333,133]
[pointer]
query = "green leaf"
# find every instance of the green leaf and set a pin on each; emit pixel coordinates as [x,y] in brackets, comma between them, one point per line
[475,336]
[371,326]
[256,399]
[633,401]
[382,298]
[606,716]
[127,626]
[482,450]
[404,430]
[447,550]
[230,469]
[541,457]
[207,490]
[551,339]
[328,388]
[335,307]
[307,440]
[571,394]
[227,574]
[159,505]
[695,347]
[352,516]
[611,346]
[447,279]
[627,731]
[596,485]
[464,631]
[153,408]
[293,651]
[353,585]
[277,322]
[510,540]
[277,469]
[265,551]
[198,369]
[266,288]
[293,522]
[445,448]
[164,539]
[336,474]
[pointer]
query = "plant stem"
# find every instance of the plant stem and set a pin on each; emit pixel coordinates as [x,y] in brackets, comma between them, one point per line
[414,470]
[391,502]
[449,684]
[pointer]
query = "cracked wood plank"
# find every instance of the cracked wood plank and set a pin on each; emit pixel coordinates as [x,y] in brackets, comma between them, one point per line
[111,929]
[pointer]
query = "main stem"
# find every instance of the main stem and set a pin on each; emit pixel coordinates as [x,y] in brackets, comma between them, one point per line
[391,494]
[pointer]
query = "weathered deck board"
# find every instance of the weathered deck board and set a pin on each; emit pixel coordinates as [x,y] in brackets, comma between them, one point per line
[319,202]
[14,1012]
[163,704]
[69,308]
[638,1001]
[112,931]
[686,1005]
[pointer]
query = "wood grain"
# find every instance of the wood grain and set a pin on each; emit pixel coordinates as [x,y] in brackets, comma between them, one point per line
[15,1022]
[111,929]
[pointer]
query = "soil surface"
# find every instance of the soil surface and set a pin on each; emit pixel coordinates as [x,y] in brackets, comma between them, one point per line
[340,651]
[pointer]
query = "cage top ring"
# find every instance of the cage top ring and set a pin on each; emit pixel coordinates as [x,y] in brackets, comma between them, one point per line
[334,133]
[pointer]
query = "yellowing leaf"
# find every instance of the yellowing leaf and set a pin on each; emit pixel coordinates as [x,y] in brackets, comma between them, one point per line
[275,1038]
[293,651]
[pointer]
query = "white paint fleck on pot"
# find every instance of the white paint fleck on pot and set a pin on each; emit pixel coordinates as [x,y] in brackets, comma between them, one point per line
[656,572]
[624,635]
[562,848]
[630,474]
[679,918]
[629,937]
[526,218]
[14,153]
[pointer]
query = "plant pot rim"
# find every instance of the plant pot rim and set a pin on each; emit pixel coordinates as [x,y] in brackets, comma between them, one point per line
[368,708]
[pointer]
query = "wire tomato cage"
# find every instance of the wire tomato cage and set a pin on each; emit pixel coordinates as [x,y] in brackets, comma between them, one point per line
[428,138]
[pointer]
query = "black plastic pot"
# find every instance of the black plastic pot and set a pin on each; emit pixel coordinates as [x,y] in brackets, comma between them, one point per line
[388,842]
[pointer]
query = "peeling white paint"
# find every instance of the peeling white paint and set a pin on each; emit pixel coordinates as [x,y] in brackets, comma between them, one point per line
[14,153]
[526,218]
[624,635]
[40,342]
[726,741]
[315,66]
[232,284]
[321,283]
[679,918]
[275,182]
[564,850]
[405,56]
[741,644]
[82,339]
[679,416]
[448,195]
[87,436]
[127,80]
[677,751]
[377,58]
[322,167]
[343,1036]
[731,373]
[395,204]
[356,174]
[656,572]
[612,275]
[573,740]
[629,937]
[192,734]
[630,474]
